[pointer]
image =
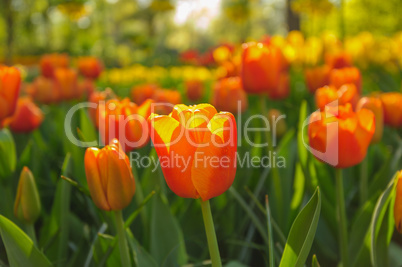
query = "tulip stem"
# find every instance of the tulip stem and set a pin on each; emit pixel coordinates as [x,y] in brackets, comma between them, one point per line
[30,230]
[211,235]
[121,236]
[341,217]
[363,181]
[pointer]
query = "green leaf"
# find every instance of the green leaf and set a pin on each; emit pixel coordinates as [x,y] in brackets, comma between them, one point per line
[20,249]
[8,154]
[298,192]
[315,262]
[87,128]
[301,135]
[382,226]
[143,258]
[302,233]
[166,241]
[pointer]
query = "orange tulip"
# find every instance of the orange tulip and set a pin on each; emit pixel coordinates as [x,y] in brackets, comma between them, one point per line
[283,89]
[49,63]
[44,90]
[392,103]
[398,203]
[165,100]
[327,94]
[140,93]
[375,105]
[317,77]
[66,81]
[205,144]
[90,67]
[96,97]
[194,90]
[338,60]
[261,67]
[86,87]
[324,96]
[10,81]
[26,118]
[110,180]
[229,95]
[125,121]
[340,136]
[339,77]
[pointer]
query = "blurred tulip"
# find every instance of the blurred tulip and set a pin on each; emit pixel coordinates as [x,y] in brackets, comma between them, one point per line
[86,87]
[276,122]
[339,136]
[27,205]
[338,60]
[203,138]
[398,203]
[392,103]
[339,77]
[90,67]
[261,67]
[324,96]
[283,89]
[228,95]
[49,63]
[66,81]
[10,83]
[317,77]
[194,90]
[26,118]
[165,100]
[125,121]
[348,93]
[375,105]
[96,97]
[140,93]
[109,176]
[44,90]
[222,54]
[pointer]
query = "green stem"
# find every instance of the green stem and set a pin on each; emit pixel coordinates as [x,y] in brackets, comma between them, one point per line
[341,217]
[211,236]
[268,137]
[30,230]
[270,237]
[121,236]
[363,182]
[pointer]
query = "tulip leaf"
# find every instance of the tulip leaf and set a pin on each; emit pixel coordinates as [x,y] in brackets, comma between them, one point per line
[301,135]
[302,233]
[382,226]
[87,129]
[19,247]
[298,192]
[8,154]
[142,256]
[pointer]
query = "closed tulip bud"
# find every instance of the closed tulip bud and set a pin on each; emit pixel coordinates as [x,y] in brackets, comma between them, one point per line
[125,121]
[392,103]
[317,77]
[26,118]
[261,67]
[90,67]
[27,205]
[194,90]
[109,176]
[375,105]
[340,136]
[398,203]
[339,77]
[202,138]
[49,63]
[277,122]
[10,81]
[67,83]
[229,95]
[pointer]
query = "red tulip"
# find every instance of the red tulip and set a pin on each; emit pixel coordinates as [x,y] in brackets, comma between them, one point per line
[10,82]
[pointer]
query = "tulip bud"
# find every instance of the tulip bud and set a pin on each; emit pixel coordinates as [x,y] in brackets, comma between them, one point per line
[110,180]
[27,202]
[398,203]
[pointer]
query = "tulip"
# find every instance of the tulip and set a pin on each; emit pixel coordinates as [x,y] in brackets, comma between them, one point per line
[26,118]
[96,97]
[261,67]
[324,96]
[197,134]
[338,60]
[86,87]
[340,136]
[140,93]
[392,103]
[228,95]
[125,121]
[10,81]
[67,83]
[165,100]
[110,180]
[339,77]
[277,122]
[317,77]
[44,90]
[194,90]
[27,202]
[375,105]
[327,94]
[283,89]
[90,67]
[398,203]
[49,63]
